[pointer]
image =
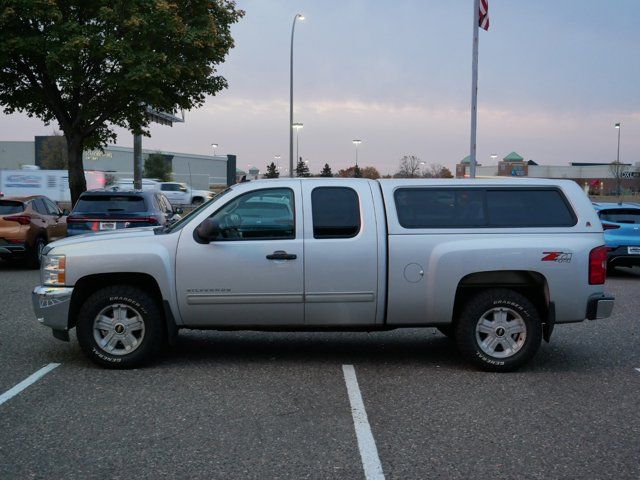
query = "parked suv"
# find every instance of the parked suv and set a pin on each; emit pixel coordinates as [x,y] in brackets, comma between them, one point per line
[27,224]
[621,224]
[101,210]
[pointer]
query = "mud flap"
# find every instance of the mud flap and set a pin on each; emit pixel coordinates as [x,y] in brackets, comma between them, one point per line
[172,328]
[550,322]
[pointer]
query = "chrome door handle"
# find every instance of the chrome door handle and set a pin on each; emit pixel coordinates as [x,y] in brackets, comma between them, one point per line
[281,255]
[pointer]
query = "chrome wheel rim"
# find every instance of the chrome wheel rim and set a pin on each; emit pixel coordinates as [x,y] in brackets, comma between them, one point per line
[501,332]
[118,329]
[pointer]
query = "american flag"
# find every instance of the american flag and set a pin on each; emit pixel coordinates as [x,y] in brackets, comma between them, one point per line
[484,14]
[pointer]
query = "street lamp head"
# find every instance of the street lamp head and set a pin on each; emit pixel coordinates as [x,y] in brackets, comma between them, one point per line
[300,17]
[297,126]
[214,145]
[357,142]
[617,125]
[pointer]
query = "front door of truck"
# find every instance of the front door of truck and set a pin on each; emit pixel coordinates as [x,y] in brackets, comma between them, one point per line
[341,253]
[251,274]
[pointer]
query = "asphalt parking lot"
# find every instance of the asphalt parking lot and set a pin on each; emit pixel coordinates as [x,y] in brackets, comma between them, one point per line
[276,405]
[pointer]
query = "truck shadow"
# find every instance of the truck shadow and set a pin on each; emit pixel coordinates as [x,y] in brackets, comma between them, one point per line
[315,348]
[409,348]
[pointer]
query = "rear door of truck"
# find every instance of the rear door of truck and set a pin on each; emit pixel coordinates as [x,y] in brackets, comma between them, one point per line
[345,252]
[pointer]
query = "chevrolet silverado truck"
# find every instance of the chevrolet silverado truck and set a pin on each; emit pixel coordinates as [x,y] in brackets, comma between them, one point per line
[493,264]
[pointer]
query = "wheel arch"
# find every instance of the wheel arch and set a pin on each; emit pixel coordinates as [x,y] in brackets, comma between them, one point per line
[90,283]
[529,283]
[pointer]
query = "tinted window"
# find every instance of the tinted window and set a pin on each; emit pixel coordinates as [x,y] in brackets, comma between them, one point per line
[336,212]
[260,215]
[621,215]
[440,208]
[465,208]
[170,187]
[110,204]
[8,207]
[39,207]
[528,208]
[52,208]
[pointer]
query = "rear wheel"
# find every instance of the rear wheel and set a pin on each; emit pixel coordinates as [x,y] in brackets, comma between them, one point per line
[120,327]
[499,330]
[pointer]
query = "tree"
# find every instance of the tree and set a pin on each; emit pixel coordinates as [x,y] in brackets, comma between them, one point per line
[410,167]
[617,169]
[370,172]
[157,166]
[302,169]
[437,171]
[272,171]
[98,64]
[326,171]
[53,153]
[351,172]
[110,179]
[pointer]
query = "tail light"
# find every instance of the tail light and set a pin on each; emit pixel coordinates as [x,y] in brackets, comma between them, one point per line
[21,219]
[598,265]
[609,226]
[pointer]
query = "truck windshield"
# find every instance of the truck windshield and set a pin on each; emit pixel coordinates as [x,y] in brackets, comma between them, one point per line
[187,218]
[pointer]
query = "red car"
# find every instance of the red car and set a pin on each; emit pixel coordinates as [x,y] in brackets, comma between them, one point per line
[27,224]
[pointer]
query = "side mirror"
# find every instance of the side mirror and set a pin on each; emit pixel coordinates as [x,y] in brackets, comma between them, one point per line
[65,212]
[178,210]
[207,231]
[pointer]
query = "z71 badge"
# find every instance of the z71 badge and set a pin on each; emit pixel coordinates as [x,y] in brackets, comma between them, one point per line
[560,257]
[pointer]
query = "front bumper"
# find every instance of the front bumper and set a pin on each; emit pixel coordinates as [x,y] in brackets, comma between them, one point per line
[599,306]
[51,306]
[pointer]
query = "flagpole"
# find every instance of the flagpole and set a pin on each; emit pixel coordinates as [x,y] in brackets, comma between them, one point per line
[474,88]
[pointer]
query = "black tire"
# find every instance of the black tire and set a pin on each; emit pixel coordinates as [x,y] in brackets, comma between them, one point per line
[447,330]
[36,252]
[495,311]
[197,201]
[151,337]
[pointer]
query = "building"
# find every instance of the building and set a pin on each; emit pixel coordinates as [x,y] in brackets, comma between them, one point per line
[595,178]
[200,171]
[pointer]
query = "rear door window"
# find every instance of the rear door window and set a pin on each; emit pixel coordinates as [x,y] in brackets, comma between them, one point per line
[8,207]
[39,206]
[110,204]
[336,212]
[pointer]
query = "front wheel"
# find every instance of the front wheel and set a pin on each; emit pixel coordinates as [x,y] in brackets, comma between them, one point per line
[499,330]
[120,327]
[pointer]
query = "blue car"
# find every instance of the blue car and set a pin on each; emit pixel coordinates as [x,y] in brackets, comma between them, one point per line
[621,223]
[101,210]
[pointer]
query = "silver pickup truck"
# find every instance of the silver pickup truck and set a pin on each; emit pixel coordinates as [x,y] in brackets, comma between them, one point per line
[493,264]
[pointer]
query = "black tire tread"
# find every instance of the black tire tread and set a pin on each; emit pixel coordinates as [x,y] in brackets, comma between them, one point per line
[155,329]
[476,306]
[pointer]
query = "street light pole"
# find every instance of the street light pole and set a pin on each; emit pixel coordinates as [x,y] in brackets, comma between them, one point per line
[293,29]
[618,169]
[618,125]
[357,142]
[297,126]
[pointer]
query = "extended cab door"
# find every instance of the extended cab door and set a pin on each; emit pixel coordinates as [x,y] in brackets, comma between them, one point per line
[252,272]
[344,255]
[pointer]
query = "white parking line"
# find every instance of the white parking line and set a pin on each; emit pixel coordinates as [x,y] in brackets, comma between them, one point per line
[366,443]
[30,380]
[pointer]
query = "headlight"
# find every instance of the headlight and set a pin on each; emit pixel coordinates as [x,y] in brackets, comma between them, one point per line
[53,269]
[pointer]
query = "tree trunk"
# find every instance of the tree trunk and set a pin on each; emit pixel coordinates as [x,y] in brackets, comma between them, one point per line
[77,181]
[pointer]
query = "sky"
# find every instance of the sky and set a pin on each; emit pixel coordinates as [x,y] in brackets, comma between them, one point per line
[554,77]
